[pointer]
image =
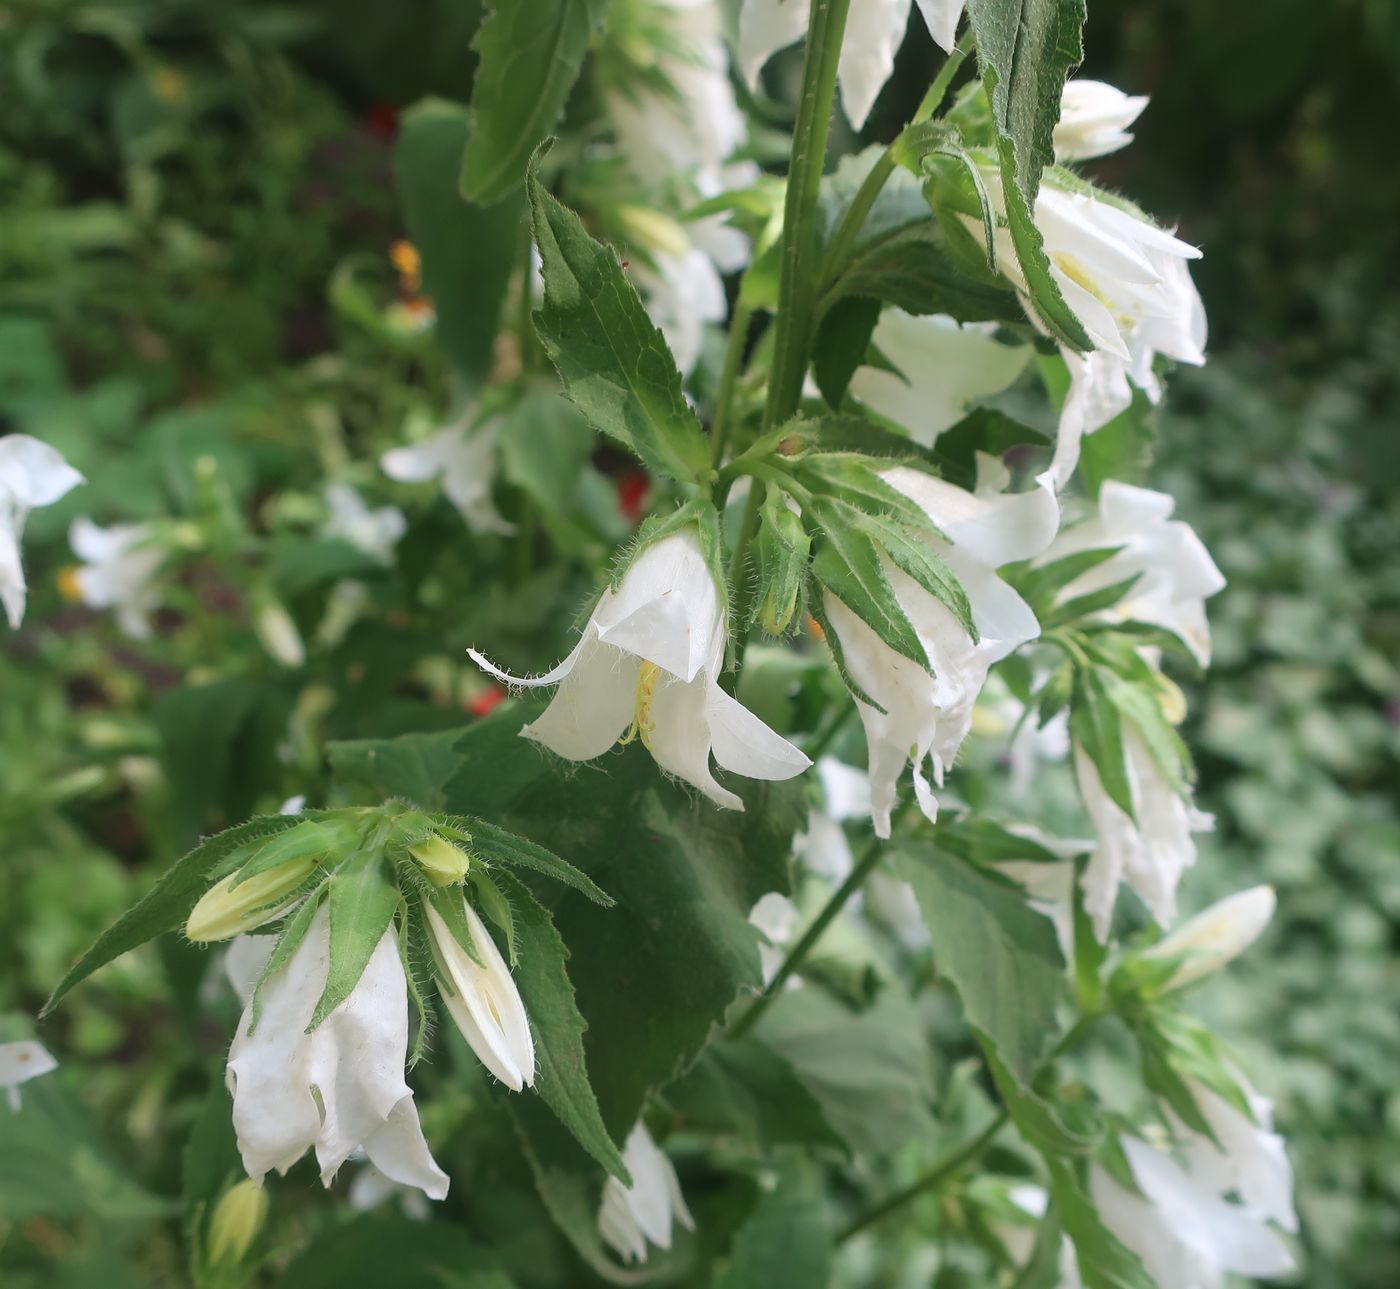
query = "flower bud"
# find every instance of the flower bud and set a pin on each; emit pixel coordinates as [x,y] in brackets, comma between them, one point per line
[442,863]
[233,907]
[1212,938]
[237,1220]
[278,634]
[653,231]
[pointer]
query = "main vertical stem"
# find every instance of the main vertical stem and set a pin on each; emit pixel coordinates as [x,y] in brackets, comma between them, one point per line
[798,272]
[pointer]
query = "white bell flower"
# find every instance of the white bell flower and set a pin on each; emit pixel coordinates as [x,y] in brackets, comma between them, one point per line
[465,460]
[776,918]
[483,1001]
[1126,281]
[874,32]
[681,292]
[1248,1158]
[1174,572]
[943,367]
[631,1217]
[691,126]
[20,1062]
[338,1088]
[931,714]
[1187,1236]
[1150,854]
[119,570]
[31,474]
[648,667]
[1094,120]
[373,532]
[1215,936]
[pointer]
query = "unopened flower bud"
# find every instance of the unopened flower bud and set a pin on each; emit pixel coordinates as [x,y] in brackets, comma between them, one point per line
[653,231]
[237,1220]
[1212,938]
[233,907]
[442,863]
[278,634]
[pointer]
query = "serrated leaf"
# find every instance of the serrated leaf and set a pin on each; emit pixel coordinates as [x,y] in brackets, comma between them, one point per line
[923,564]
[362,899]
[507,848]
[414,766]
[1000,955]
[786,1242]
[531,52]
[496,908]
[1094,726]
[561,1070]
[611,357]
[467,253]
[166,906]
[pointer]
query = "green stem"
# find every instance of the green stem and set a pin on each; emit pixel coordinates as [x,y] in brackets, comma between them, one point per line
[729,376]
[954,1160]
[738,574]
[855,879]
[838,252]
[797,275]
[824,738]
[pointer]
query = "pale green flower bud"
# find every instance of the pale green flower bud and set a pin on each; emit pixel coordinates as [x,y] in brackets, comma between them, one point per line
[442,863]
[233,907]
[1212,938]
[237,1220]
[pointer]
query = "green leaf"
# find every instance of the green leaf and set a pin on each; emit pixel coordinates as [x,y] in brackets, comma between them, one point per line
[1105,1262]
[496,908]
[362,902]
[1039,1122]
[843,336]
[530,52]
[198,725]
[1026,49]
[1000,955]
[610,355]
[984,841]
[467,252]
[984,429]
[415,767]
[167,904]
[377,1250]
[1095,726]
[545,445]
[561,1070]
[505,847]
[786,1243]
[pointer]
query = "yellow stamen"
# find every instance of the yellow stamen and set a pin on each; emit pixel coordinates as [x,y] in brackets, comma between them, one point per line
[642,724]
[69,585]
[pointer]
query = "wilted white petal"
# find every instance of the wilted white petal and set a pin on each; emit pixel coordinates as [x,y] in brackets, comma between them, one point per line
[942,367]
[647,1211]
[339,1087]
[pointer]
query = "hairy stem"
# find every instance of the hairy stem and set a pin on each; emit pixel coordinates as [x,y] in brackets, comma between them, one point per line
[729,376]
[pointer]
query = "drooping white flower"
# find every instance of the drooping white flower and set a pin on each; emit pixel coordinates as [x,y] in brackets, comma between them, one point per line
[681,292]
[1248,1158]
[31,474]
[931,714]
[648,666]
[374,532]
[1127,282]
[631,1217]
[118,571]
[1186,1235]
[1213,937]
[20,1062]
[776,918]
[1174,572]
[1094,119]
[1150,854]
[874,32]
[465,460]
[943,366]
[339,1087]
[483,1001]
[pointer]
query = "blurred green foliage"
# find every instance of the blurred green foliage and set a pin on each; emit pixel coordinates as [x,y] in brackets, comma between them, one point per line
[191,197]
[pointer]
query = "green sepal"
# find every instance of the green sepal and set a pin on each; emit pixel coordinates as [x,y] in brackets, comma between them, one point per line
[362,899]
[498,846]
[1096,727]
[496,908]
[293,933]
[783,548]
[307,840]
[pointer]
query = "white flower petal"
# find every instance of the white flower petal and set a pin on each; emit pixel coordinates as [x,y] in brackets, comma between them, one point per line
[20,1062]
[942,18]
[874,31]
[766,26]
[594,705]
[745,745]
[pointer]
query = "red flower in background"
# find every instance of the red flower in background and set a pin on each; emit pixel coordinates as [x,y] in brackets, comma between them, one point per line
[632,491]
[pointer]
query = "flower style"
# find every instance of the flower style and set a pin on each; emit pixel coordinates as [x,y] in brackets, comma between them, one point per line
[1187,1236]
[1173,572]
[645,1212]
[338,1088]
[373,532]
[931,714]
[465,460]
[482,999]
[1094,120]
[119,571]
[20,1062]
[1247,1158]
[648,667]
[942,367]
[31,474]
[874,31]
[1214,937]
[1126,281]
[1150,854]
